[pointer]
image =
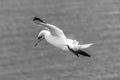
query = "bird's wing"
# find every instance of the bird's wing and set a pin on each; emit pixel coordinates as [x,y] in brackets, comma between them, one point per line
[73,51]
[79,52]
[54,30]
[83,53]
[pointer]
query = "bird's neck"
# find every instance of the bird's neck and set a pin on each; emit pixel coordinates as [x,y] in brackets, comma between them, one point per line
[46,32]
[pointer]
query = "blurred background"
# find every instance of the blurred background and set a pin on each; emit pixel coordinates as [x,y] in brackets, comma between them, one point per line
[88,21]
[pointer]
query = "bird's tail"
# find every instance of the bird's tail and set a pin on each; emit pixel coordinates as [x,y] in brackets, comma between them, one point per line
[38,20]
[85,46]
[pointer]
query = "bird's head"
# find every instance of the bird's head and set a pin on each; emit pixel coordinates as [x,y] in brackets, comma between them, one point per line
[40,38]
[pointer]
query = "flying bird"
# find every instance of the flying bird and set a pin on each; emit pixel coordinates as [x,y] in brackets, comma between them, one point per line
[56,37]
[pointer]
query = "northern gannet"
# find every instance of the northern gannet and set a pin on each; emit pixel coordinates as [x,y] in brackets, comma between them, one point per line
[57,38]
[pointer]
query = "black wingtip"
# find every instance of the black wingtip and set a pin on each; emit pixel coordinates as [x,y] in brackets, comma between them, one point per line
[36,20]
[83,53]
[79,52]
[73,51]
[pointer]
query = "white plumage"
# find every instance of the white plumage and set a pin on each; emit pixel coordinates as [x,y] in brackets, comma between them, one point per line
[57,38]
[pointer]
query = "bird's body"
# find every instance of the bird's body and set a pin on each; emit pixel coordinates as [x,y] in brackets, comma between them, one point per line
[57,38]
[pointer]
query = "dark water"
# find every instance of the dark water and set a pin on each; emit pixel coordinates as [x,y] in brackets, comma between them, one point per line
[95,21]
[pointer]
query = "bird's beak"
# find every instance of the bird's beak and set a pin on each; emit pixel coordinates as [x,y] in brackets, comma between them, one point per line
[38,40]
[85,45]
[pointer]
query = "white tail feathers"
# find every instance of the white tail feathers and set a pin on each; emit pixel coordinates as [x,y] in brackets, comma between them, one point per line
[85,45]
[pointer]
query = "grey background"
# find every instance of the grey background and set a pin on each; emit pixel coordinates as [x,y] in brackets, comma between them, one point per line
[94,21]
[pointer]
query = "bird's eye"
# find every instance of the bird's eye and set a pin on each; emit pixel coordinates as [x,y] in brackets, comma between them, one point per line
[40,37]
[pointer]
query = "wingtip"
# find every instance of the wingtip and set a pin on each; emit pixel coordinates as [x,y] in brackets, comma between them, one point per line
[36,20]
[83,53]
[88,55]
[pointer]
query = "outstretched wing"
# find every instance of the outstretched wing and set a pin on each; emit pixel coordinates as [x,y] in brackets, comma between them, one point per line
[54,30]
